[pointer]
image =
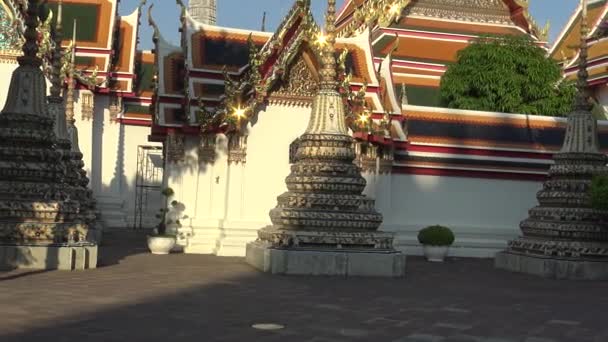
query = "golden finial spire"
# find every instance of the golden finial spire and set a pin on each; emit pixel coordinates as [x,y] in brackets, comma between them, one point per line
[57,38]
[30,46]
[583,95]
[69,106]
[328,110]
[328,60]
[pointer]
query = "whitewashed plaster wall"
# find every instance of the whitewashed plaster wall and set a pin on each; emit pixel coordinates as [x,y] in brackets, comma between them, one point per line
[227,204]
[110,155]
[601,94]
[6,72]
[483,213]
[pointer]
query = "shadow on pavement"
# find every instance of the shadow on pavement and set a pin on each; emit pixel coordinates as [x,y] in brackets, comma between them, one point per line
[207,298]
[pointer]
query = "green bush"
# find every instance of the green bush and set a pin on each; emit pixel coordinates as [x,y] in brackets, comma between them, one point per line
[436,236]
[599,192]
[168,192]
[510,74]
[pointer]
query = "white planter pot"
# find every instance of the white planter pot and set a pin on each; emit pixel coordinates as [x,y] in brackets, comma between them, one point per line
[161,244]
[435,253]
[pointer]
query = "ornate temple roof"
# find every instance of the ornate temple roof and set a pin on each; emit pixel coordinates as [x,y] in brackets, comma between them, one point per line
[95,25]
[474,11]
[106,42]
[211,50]
[565,49]
[395,69]
[486,16]
[425,36]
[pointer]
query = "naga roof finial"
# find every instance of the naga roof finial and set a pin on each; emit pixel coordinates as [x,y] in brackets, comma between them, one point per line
[152,23]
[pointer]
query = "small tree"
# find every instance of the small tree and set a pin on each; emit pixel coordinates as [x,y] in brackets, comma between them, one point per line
[510,74]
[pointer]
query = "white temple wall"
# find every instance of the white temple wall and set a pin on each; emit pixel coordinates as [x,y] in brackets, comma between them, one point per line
[228,203]
[483,213]
[201,189]
[6,72]
[110,155]
[601,94]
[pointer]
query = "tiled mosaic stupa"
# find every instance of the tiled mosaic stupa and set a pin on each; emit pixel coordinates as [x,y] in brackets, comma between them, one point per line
[323,224]
[564,237]
[45,215]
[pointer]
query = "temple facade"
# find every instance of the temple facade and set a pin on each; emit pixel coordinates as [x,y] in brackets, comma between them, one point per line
[110,99]
[229,105]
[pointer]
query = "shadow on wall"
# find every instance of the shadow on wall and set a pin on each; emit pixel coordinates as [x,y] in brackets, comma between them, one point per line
[119,178]
[121,188]
[97,152]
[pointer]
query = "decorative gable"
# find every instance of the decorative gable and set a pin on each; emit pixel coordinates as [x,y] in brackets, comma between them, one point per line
[298,85]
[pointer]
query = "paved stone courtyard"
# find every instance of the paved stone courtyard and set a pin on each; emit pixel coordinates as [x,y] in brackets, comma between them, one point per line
[136,296]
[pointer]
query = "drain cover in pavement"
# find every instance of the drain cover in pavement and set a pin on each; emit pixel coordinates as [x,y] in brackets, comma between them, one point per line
[267,326]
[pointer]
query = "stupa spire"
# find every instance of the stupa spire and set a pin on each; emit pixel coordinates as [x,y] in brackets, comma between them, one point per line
[69,107]
[328,115]
[56,82]
[30,47]
[583,95]
[56,105]
[27,94]
[581,132]
[328,60]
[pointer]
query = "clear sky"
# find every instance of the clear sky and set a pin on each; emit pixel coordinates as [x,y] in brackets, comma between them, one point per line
[248,14]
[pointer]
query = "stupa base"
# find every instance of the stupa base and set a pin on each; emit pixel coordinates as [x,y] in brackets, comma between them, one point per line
[553,268]
[325,262]
[48,257]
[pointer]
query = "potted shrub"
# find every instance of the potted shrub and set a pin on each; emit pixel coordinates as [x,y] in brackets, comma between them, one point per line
[161,241]
[436,241]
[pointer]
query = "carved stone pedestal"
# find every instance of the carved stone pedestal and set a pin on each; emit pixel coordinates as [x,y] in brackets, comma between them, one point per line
[326,261]
[551,267]
[65,257]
